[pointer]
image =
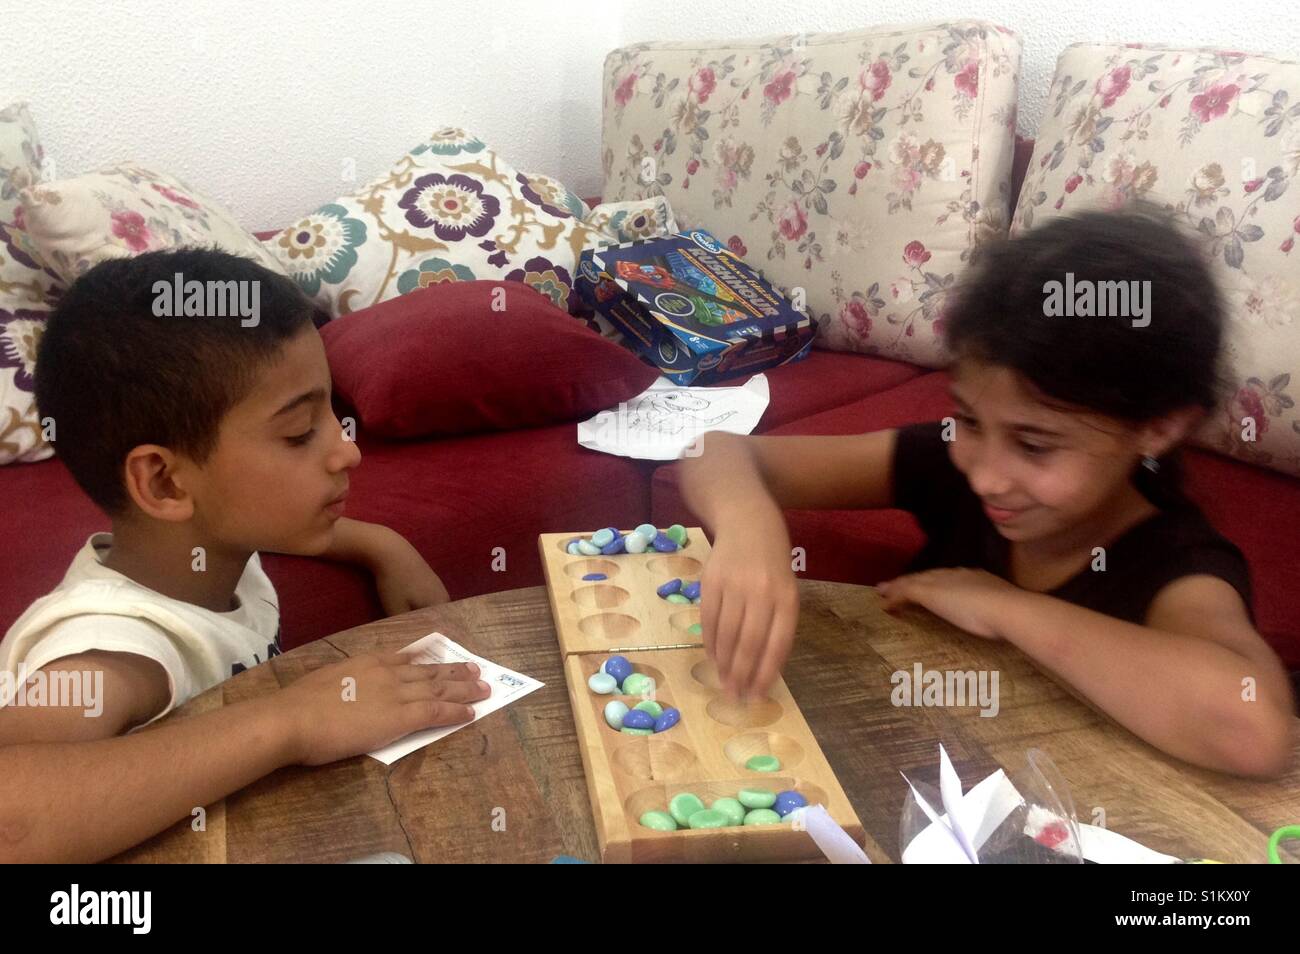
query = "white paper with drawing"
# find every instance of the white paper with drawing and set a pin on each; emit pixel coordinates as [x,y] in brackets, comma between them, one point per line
[665,421]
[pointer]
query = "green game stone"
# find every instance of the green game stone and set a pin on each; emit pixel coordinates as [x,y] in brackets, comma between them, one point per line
[763,763]
[734,811]
[659,821]
[677,534]
[762,816]
[757,797]
[683,806]
[638,684]
[630,731]
[650,706]
[708,818]
[695,629]
[677,598]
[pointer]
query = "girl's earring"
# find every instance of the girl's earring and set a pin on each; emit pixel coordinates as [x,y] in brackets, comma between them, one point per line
[1150,463]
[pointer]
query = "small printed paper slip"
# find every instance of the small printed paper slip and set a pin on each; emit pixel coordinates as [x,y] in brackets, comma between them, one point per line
[665,421]
[507,686]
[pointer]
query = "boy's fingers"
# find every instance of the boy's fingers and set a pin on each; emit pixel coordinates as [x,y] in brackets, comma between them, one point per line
[437,672]
[445,690]
[428,714]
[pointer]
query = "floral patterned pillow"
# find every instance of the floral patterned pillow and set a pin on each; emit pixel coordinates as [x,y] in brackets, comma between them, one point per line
[863,167]
[449,210]
[124,210]
[27,289]
[1214,137]
[21,157]
[619,222]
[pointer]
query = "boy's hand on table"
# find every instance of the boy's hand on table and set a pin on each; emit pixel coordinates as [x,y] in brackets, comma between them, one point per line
[969,599]
[749,606]
[404,581]
[366,702]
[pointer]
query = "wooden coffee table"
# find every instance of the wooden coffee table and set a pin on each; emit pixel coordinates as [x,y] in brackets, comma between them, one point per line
[521,765]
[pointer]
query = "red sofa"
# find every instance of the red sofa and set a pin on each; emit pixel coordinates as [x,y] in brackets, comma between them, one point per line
[459,499]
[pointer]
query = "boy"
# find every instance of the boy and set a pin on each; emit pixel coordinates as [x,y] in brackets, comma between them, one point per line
[205,439]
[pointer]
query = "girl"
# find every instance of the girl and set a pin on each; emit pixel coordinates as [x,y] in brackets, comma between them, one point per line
[1064,440]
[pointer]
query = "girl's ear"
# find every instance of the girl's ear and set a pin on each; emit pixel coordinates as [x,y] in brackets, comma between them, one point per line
[1162,434]
[150,475]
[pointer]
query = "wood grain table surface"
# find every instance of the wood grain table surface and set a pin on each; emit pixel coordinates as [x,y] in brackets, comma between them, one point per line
[511,787]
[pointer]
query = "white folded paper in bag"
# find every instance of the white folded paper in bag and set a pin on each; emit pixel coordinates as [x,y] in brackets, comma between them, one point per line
[666,421]
[507,687]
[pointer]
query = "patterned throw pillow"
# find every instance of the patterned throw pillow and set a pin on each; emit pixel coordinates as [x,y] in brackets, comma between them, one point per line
[862,167]
[619,222]
[1214,137]
[21,157]
[449,210]
[124,210]
[27,289]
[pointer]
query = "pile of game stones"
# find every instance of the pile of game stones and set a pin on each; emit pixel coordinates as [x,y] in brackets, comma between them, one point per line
[646,717]
[610,541]
[678,591]
[751,806]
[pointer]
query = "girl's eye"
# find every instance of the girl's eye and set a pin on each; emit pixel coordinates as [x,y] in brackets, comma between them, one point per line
[1034,450]
[965,420]
[298,440]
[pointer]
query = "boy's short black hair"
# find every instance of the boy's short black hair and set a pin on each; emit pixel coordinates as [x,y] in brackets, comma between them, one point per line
[1104,364]
[113,374]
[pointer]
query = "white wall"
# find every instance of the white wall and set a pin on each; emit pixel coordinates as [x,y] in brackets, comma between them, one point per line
[265,105]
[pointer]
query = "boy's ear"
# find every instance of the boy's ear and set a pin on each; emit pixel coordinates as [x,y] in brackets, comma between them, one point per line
[150,474]
[1162,434]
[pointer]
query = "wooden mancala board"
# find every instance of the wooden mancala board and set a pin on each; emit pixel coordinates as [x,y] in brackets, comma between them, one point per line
[706,752]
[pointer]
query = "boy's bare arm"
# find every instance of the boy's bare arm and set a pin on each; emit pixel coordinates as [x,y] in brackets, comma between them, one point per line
[73,790]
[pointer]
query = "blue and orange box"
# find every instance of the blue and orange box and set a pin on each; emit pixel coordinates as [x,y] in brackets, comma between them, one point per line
[692,308]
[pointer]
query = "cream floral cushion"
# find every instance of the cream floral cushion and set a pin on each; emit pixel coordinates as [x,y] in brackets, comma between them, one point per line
[21,157]
[124,210]
[863,167]
[1214,137]
[452,209]
[27,290]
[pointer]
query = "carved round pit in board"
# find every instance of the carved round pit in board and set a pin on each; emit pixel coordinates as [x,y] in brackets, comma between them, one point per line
[741,748]
[653,757]
[600,596]
[706,674]
[673,566]
[610,626]
[581,568]
[686,618]
[747,714]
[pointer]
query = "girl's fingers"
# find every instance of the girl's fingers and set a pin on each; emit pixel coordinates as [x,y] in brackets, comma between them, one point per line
[727,631]
[779,640]
[749,648]
[433,672]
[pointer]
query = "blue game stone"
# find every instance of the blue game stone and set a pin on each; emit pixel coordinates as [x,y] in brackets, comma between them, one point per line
[788,801]
[614,546]
[595,576]
[669,588]
[667,719]
[638,719]
[691,590]
[663,544]
[618,667]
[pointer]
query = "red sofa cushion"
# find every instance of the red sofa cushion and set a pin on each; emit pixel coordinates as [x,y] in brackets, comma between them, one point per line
[1248,505]
[825,380]
[445,360]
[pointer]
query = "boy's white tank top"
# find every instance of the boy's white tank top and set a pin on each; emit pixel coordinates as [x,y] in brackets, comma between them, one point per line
[97,608]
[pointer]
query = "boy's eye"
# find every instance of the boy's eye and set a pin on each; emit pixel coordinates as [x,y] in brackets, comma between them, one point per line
[298,440]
